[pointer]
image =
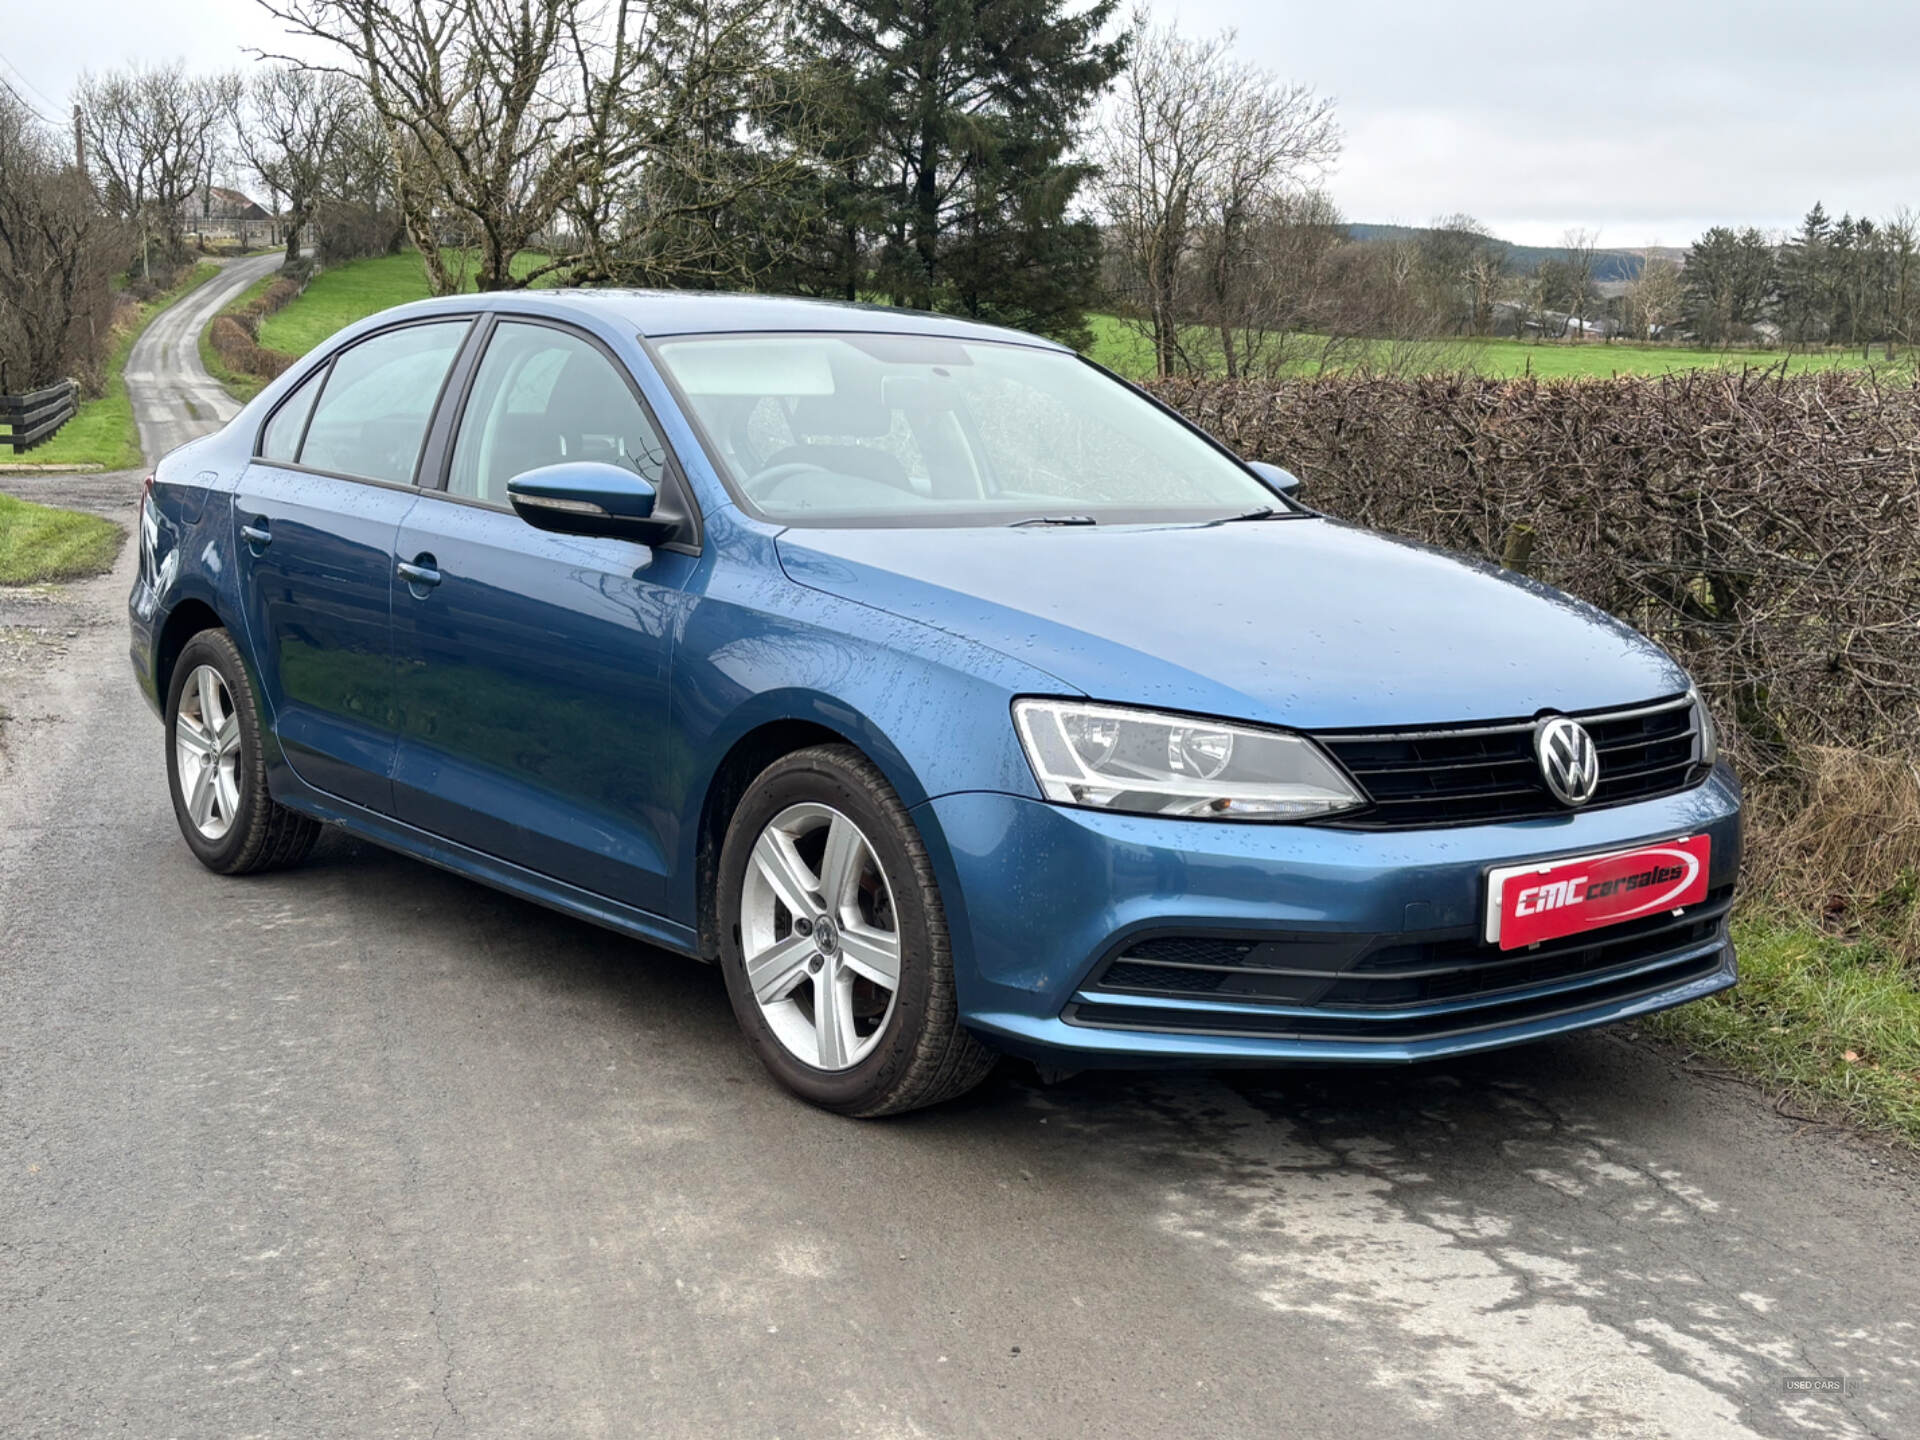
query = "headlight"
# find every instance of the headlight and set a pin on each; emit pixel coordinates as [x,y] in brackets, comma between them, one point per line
[1707,741]
[1146,763]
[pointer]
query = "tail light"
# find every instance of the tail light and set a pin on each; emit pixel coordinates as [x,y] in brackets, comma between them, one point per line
[149,528]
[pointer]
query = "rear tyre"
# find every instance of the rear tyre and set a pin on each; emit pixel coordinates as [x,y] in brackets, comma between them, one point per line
[216,765]
[834,942]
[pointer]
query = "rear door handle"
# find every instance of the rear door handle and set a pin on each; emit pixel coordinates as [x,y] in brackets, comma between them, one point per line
[258,536]
[415,573]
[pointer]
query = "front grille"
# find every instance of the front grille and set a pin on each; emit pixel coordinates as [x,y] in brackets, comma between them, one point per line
[1476,774]
[1386,988]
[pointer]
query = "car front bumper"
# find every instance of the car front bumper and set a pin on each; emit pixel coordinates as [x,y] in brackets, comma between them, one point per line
[1318,945]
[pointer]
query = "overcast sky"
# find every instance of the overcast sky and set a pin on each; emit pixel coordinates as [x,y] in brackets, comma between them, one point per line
[1647,122]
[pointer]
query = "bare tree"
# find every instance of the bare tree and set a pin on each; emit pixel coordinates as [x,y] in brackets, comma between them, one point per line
[1901,236]
[1195,145]
[1655,298]
[1264,295]
[1379,317]
[289,125]
[58,251]
[1486,277]
[1581,247]
[1280,134]
[1465,267]
[474,98]
[358,210]
[153,138]
[698,128]
[633,139]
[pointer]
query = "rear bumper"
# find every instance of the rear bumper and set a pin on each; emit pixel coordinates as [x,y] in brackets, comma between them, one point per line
[143,622]
[1316,945]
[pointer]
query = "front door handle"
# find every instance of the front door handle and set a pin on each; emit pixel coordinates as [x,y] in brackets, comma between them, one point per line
[419,573]
[258,536]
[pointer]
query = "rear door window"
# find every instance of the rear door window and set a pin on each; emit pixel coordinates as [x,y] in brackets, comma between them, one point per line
[378,400]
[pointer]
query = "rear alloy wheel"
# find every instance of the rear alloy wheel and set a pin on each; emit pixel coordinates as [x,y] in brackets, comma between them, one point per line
[834,941]
[216,766]
[206,754]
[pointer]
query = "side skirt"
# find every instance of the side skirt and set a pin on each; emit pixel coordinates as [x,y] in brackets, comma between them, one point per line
[515,880]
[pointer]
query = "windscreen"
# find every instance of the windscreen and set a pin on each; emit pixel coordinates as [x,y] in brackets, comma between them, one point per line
[924,430]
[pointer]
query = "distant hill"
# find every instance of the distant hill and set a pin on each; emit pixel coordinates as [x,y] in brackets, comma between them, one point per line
[1608,265]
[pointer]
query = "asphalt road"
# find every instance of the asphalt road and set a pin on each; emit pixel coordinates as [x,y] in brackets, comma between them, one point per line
[174,399]
[363,1149]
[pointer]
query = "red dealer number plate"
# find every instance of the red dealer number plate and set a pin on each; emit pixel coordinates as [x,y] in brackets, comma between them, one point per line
[1530,903]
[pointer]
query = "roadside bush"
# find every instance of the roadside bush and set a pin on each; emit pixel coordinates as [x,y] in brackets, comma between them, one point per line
[234,334]
[233,342]
[1765,529]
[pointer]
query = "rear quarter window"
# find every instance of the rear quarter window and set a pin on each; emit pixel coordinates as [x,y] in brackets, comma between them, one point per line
[281,439]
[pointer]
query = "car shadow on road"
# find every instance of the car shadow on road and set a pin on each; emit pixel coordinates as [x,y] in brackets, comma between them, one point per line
[687,998]
[679,997]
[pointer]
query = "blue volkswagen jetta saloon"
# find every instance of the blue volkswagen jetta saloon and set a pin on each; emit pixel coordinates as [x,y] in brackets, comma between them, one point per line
[953,696]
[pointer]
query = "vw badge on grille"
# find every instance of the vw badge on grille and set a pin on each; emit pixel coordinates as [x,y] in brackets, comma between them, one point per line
[1568,760]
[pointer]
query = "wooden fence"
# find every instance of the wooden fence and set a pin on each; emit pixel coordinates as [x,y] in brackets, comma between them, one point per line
[30,419]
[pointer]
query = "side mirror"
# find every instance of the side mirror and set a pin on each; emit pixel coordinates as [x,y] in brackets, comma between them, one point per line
[1285,481]
[589,497]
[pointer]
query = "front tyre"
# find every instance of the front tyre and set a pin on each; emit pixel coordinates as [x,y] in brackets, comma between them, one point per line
[834,943]
[216,766]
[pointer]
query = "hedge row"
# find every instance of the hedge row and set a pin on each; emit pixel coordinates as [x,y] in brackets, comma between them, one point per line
[234,334]
[1765,529]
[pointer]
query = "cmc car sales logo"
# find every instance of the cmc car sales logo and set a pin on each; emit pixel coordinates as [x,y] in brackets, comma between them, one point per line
[1537,899]
[1531,903]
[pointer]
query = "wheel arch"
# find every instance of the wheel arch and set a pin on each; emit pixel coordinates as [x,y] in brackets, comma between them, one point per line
[189,617]
[745,759]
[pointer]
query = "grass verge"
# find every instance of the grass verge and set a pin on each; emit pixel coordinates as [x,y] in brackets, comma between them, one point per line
[1828,1024]
[39,543]
[103,433]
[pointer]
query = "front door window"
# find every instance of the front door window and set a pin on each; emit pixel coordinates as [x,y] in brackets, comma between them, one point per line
[541,397]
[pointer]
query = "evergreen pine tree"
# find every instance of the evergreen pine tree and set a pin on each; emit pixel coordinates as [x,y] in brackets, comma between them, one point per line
[1806,284]
[1839,279]
[1731,283]
[952,187]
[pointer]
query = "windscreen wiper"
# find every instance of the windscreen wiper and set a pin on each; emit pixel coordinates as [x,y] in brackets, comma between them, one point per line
[1265,512]
[1054,520]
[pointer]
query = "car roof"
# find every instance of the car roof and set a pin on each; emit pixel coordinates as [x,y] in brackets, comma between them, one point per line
[660,313]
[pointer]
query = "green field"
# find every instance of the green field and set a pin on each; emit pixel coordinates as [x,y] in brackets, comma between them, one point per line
[103,433]
[39,543]
[351,292]
[1123,349]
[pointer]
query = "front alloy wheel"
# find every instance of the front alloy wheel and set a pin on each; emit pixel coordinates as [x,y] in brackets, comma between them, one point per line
[819,936]
[833,940]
